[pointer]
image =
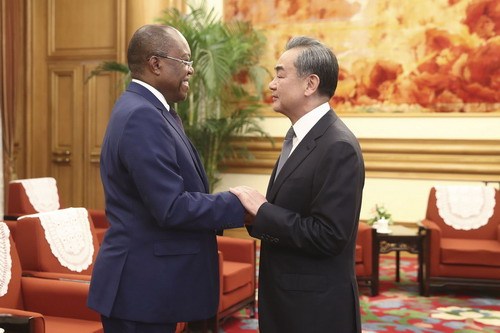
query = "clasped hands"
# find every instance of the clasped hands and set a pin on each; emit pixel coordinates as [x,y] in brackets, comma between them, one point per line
[250,198]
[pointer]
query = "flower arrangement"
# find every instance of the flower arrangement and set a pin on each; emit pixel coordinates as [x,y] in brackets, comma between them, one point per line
[379,212]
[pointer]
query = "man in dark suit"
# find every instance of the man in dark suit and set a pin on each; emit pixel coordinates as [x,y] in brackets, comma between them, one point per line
[158,262]
[308,223]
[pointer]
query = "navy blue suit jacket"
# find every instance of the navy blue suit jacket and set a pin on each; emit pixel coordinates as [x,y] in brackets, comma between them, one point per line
[158,261]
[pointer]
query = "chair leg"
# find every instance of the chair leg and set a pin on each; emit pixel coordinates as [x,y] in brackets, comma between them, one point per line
[215,324]
[210,325]
[252,309]
[424,261]
[374,286]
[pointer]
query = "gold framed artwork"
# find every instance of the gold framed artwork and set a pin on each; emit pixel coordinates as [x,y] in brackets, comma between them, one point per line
[427,57]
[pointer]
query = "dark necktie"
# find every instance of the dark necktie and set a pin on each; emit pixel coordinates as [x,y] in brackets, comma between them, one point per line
[176,117]
[285,151]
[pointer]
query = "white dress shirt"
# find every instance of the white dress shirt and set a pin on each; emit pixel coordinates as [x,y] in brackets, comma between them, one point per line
[154,92]
[306,122]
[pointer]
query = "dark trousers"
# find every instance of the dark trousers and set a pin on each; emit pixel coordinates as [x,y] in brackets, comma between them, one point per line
[115,325]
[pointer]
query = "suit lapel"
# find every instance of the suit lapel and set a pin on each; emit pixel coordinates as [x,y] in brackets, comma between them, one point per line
[192,150]
[137,88]
[305,147]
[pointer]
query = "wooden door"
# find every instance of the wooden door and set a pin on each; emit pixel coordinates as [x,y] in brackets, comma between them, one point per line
[67,113]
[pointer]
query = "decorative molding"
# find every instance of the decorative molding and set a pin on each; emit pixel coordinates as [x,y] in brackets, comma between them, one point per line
[443,159]
[97,34]
[100,93]
[268,112]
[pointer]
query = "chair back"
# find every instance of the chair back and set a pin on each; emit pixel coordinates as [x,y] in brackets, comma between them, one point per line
[10,271]
[487,231]
[62,241]
[33,195]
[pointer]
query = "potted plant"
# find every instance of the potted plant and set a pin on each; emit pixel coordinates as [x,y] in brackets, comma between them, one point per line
[380,213]
[225,91]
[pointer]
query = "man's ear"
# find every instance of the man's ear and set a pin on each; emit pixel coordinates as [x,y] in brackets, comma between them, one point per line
[154,65]
[312,84]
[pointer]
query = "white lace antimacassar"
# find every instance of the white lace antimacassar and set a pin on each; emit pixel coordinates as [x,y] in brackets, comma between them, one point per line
[5,259]
[42,193]
[68,233]
[465,207]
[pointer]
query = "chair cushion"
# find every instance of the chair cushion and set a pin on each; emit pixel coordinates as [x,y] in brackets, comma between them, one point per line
[470,252]
[359,254]
[65,325]
[235,275]
[235,297]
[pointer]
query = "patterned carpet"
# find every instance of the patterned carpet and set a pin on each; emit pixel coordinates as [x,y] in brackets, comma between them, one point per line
[399,309]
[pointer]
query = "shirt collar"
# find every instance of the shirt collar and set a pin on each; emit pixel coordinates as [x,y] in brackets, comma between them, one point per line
[307,121]
[155,92]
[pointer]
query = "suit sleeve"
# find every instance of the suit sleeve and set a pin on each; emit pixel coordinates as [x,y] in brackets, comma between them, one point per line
[320,221]
[158,161]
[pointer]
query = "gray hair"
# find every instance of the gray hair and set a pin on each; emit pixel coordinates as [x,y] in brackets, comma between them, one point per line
[317,59]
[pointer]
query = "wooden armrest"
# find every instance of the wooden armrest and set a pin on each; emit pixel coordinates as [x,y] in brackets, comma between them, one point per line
[428,224]
[18,324]
[11,217]
[434,232]
[20,321]
[83,278]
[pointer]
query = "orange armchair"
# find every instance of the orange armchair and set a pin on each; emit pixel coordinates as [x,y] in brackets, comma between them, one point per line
[460,257]
[42,258]
[237,270]
[42,305]
[367,257]
[39,261]
[20,203]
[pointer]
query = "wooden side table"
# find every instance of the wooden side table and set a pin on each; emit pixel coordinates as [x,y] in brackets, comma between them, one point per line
[403,239]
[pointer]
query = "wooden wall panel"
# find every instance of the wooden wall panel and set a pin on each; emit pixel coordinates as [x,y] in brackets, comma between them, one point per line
[89,28]
[101,93]
[67,113]
[397,158]
[66,130]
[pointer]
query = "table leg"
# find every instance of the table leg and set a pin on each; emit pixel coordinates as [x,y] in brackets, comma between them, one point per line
[420,276]
[397,265]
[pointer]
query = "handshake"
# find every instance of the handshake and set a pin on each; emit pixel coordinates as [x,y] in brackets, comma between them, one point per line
[251,199]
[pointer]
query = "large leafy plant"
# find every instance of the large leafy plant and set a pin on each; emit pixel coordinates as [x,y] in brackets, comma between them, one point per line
[224,95]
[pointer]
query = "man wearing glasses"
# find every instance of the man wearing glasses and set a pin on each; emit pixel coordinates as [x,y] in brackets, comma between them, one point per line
[158,262]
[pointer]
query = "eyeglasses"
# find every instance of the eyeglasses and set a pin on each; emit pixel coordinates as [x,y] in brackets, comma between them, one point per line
[185,62]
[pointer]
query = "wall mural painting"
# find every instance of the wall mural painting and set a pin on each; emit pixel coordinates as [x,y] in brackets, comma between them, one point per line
[426,56]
